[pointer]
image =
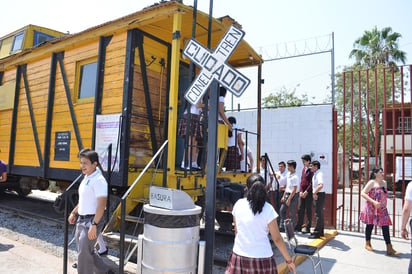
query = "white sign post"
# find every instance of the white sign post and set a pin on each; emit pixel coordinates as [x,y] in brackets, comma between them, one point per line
[214,66]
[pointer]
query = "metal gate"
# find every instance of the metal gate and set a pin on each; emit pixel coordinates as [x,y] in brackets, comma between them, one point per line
[374,113]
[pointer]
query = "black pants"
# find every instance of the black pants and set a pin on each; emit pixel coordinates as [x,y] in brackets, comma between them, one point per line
[385,233]
[319,227]
[305,206]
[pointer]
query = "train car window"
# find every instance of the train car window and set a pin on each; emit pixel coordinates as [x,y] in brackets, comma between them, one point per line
[40,37]
[87,79]
[18,42]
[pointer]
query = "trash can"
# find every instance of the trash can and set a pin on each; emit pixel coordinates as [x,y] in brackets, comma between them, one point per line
[170,240]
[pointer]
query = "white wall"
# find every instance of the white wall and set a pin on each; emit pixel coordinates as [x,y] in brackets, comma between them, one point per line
[287,133]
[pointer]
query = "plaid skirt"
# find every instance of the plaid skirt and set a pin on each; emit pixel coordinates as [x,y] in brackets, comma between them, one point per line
[193,125]
[232,160]
[241,265]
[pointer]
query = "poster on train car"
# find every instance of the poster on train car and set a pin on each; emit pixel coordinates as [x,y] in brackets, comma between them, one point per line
[107,132]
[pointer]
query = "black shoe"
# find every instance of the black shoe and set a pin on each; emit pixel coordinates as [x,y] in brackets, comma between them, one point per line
[281,229]
[314,236]
[74,265]
[103,253]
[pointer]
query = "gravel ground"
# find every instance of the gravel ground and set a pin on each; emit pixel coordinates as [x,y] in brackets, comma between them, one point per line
[43,236]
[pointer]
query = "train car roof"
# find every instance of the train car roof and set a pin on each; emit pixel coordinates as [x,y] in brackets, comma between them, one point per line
[156,20]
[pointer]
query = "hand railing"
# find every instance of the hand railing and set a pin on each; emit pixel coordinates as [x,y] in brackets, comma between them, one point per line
[123,208]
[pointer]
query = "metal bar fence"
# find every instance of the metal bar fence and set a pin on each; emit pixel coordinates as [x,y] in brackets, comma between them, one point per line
[374,130]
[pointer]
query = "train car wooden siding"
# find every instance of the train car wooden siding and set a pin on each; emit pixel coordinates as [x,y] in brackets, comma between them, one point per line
[132,66]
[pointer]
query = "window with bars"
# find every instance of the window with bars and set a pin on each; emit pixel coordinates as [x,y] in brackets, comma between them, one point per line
[405,124]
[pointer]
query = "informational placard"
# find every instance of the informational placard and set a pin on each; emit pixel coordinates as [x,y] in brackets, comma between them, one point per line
[62,146]
[7,92]
[215,67]
[107,132]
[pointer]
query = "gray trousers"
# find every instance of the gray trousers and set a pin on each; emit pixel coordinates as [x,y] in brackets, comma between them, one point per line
[292,211]
[88,260]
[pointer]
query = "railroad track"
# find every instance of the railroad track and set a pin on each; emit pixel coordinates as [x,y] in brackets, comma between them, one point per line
[30,207]
[38,209]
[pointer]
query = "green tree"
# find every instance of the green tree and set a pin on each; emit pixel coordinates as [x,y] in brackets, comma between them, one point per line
[376,47]
[284,98]
[360,90]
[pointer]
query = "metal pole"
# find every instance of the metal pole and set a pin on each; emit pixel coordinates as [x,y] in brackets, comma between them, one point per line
[109,178]
[211,178]
[333,68]
[211,162]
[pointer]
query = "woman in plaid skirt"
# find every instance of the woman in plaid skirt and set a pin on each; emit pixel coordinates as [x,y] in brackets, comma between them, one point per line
[254,218]
[234,146]
[190,125]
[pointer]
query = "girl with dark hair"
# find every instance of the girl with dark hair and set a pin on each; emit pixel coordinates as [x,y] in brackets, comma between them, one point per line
[374,211]
[254,218]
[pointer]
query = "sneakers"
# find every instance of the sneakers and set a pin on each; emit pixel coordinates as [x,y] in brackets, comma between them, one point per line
[194,167]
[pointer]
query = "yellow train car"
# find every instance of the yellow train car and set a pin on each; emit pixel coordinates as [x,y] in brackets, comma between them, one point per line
[25,38]
[117,83]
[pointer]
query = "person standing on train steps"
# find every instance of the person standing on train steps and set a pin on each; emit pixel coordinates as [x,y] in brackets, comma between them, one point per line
[89,213]
[3,172]
[190,125]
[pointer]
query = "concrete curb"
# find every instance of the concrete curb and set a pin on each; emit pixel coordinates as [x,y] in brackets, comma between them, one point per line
[283,268]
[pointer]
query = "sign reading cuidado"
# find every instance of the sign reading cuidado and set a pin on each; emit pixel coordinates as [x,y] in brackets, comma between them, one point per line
[214,66]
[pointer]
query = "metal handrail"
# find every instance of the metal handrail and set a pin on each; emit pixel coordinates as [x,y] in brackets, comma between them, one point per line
[123,207]
[66,224]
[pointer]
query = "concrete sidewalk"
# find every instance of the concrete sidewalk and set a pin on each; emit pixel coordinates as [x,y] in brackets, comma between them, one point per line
[342,252]
[19,258]
[346,253]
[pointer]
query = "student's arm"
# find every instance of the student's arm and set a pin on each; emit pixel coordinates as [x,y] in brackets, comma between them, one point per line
[280,244]
[3,177]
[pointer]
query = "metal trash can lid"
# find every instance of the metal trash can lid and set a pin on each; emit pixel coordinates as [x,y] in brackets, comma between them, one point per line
[162,211]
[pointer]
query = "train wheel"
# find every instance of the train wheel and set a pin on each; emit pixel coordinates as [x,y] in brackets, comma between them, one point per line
[23,192]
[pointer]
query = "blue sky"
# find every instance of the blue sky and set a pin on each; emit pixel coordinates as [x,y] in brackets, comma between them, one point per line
[268,24]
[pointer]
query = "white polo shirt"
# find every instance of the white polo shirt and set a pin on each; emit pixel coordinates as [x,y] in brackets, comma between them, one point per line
[317,179]
[292,180]
[92,187]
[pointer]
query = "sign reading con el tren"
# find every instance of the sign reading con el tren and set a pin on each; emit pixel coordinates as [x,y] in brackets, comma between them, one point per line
[214,66]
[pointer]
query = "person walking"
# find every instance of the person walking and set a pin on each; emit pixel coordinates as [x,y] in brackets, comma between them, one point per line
[290,196]
[318,198]
[406,212]
[305,196]
[374,211]
[254,219]
[89,213]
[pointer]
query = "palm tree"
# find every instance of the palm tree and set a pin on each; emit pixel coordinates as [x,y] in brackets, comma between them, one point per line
[378,48]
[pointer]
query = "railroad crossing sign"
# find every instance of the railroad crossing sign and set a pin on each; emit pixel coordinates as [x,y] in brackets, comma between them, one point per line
[214,66]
